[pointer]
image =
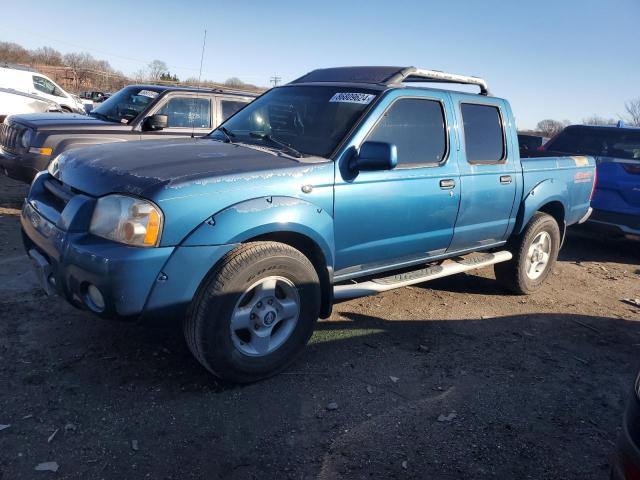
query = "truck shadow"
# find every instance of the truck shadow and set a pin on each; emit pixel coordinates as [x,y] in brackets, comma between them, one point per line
[497,398]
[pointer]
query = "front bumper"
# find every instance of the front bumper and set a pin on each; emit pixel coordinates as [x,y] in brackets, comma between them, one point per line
[135,283]
[626,462]
[22,167]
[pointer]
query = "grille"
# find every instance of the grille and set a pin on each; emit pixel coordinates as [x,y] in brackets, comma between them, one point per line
[59,194]
[9,136]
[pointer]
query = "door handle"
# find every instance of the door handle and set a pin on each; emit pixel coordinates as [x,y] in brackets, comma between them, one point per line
[447,184]
[505,179]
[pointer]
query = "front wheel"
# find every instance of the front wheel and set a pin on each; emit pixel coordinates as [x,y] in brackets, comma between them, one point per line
[254,312]
[535,252]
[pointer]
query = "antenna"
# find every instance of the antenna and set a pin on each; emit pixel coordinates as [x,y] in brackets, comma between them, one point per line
[193,127]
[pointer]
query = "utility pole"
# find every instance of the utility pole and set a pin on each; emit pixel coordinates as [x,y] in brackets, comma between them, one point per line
[275,80]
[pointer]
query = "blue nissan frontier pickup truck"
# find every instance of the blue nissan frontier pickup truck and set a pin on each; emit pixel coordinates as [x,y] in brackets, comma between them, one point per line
[343,183]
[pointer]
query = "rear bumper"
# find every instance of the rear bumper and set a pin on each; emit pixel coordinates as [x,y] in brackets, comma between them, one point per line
[22,167]
[626,462]
[613,222]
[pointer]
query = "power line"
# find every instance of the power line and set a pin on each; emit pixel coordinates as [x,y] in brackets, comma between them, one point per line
[275,80]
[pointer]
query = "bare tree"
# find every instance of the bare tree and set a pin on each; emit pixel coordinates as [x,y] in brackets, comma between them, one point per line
[234,82]
[633,109]
[47,56]
[549,127]
[14,53]
[597,120]
[156,69]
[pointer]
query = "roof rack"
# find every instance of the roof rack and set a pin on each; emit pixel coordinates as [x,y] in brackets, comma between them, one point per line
[413,74]
[389,76]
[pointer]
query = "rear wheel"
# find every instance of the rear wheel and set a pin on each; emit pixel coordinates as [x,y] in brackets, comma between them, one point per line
[535,252]
[255,312]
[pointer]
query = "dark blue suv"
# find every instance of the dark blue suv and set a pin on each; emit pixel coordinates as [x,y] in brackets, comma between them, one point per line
[616,202]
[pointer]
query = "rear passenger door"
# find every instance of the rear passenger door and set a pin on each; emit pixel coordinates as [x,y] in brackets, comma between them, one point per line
[489,172]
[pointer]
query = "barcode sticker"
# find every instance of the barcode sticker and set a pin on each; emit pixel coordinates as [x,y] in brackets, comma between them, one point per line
[352,97]
[148,93]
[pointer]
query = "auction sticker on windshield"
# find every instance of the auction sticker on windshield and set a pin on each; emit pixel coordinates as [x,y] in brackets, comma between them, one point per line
[148,93]
[353,97]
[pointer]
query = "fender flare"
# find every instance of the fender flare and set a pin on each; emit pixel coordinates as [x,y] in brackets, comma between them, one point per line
[543,193]
[265,215]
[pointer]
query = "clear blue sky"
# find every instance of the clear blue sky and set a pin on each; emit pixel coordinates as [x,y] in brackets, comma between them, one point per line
[562,59]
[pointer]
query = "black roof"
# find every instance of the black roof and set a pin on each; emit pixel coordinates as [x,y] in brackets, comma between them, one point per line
[378,75]
[388,76]
[164,88]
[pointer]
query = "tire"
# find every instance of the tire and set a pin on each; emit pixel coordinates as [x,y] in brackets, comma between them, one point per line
[271,280]
[524,274]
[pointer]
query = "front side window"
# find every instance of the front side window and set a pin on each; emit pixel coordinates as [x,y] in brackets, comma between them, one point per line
[187,112]
[229,107]
[43,85]
[417,128]
[483,135]
[311,119]
[125,105]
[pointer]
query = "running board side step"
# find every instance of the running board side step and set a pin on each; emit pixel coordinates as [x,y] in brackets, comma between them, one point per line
[448,267]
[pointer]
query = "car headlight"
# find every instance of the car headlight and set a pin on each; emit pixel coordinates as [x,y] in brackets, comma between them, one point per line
[25,139]
[127,220]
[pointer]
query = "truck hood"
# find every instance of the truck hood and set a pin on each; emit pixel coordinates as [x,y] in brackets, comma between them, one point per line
[61,121]
[144,167]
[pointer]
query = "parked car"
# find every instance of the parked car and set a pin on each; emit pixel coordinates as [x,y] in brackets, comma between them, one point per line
[136,112]
[96,97]
[616,202]
[344,175]
[626,462]
[13,102]
[36,83]
[529,142]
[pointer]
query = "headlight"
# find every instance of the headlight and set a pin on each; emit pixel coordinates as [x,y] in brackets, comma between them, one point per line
[25,140]
[127,220]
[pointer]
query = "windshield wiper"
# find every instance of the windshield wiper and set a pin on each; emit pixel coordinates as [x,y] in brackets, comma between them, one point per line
[227,134]
[101,115]
[285,146]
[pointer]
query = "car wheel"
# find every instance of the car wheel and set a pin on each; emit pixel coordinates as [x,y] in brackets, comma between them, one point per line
[535,252]
[254,312]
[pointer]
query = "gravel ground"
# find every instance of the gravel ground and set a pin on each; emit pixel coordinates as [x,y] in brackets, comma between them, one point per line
[454,379]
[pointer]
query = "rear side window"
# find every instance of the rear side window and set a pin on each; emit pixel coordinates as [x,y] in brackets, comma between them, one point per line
[599,142]
[417,128]
[483,135]
[229,107]
[187,112]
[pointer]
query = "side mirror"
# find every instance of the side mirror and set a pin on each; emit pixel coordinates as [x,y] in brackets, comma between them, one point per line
[156,122]
[376,156]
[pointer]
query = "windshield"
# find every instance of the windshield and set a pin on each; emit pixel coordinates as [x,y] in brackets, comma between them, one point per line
[311,120]
[599,142]
[126,104]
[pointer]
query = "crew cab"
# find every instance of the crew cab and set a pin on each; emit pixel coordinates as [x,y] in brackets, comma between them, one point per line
[616,201]
[346,182]
[137,112]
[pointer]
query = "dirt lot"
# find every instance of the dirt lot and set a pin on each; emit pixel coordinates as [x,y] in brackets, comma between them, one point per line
[454,380]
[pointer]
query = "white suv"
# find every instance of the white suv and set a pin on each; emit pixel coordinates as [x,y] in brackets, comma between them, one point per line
[38,84]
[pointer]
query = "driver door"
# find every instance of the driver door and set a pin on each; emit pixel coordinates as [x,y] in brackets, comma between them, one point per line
[386,219]
[187,115]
